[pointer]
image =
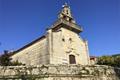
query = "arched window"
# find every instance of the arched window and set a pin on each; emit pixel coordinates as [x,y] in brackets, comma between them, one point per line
[72,59]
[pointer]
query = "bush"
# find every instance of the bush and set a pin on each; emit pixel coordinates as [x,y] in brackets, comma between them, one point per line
[5,60]
[109,60]
[16,63]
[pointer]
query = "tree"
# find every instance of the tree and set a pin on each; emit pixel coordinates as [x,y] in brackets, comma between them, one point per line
[5,59]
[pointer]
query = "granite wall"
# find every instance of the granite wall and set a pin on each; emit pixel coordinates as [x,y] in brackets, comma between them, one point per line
[59,72]
[65,43]
[34,54]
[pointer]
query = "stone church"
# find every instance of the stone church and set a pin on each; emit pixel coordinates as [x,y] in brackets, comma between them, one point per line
[60,45]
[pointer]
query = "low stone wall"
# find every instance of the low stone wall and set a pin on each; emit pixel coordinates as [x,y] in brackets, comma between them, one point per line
[59,72]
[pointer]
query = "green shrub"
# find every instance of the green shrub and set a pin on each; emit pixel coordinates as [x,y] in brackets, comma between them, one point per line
[16,63]
[109,60]
[5,60]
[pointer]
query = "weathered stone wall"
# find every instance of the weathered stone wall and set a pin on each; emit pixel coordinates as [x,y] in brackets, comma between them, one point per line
[35,54]
[76,46]
[59,72]
[65,43]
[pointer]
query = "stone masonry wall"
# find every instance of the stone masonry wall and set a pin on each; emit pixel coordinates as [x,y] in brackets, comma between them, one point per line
[59,72]
[65,43]
[35,54]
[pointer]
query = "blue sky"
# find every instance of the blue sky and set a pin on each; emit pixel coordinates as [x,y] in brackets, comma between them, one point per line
[22,21]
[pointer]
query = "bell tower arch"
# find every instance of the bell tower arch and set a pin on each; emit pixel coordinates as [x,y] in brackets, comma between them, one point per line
[66,13]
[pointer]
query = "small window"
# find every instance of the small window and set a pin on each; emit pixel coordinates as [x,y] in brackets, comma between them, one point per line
[63,39]
[67,12]
[70,39]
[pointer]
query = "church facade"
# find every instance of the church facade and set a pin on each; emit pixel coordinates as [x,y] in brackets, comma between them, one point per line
[60,45]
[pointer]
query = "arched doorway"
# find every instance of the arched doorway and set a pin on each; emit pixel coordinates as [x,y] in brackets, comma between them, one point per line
[72,59]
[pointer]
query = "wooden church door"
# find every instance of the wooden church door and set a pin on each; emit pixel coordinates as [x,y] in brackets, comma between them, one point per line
[72,59]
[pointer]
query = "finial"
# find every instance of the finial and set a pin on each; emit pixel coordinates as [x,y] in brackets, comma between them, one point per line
[65,5]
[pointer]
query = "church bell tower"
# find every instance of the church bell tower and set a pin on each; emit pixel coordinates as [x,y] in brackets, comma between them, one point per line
[66,14]
[65,46]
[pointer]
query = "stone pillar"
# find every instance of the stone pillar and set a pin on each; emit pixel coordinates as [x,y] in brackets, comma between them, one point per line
[50,44]
[87,51]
